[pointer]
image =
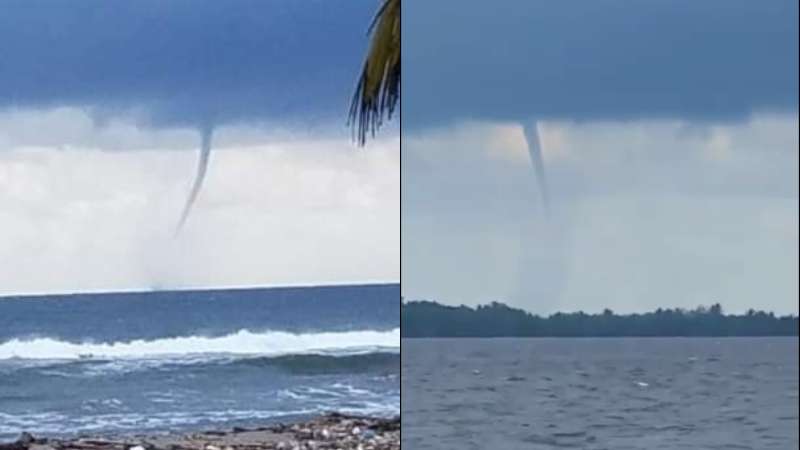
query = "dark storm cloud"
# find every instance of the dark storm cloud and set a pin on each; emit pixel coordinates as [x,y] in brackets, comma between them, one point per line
[598,59]
[184,61]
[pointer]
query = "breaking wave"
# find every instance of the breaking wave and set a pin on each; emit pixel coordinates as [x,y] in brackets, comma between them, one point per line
[243,342]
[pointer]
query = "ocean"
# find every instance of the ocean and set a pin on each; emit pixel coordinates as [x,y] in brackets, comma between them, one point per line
[145,362]
[616,394]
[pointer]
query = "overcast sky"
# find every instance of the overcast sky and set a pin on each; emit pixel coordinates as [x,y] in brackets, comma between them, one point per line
[101,108]
[668,131]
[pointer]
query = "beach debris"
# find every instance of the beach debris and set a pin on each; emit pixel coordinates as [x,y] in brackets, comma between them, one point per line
[326,432]
[22,443]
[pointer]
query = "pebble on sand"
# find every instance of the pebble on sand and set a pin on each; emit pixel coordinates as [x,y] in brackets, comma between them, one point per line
[328,432]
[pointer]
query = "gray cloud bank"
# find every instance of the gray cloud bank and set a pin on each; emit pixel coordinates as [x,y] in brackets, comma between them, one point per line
[184,62]
[644,215]
[597,60]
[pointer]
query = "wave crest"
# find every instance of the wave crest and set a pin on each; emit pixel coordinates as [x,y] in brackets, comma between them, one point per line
[243,342]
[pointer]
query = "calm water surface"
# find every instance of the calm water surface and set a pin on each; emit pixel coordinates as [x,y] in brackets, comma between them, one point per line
[675,393]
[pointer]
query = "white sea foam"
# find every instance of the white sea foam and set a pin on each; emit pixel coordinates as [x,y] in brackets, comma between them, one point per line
[268,343]
[11,425]
[56,423]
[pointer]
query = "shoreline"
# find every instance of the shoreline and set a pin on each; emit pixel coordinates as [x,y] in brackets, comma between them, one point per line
[328,431]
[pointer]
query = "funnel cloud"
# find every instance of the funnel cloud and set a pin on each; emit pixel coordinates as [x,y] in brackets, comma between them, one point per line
[128,90]
[669,132]
[534,144]
[202,166]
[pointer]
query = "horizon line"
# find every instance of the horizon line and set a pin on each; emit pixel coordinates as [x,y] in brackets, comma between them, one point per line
[795,314]
[201,288]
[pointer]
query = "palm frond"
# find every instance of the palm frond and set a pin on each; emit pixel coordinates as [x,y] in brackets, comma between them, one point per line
[378,89]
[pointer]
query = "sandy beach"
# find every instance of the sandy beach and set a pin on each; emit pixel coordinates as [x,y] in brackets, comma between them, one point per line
[331,431]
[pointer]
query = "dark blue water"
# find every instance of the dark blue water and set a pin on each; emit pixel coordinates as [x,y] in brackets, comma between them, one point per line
[159,361]
[628,393]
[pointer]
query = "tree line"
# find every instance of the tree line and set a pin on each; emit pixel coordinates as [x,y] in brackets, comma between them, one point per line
[431,319]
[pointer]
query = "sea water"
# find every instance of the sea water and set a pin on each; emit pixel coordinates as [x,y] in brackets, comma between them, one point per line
[616,394]
[174,360]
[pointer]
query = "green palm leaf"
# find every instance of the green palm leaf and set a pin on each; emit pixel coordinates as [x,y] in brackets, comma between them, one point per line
[378,89]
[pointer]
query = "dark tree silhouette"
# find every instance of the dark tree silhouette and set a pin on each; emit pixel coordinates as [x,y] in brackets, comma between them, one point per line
[430,319]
